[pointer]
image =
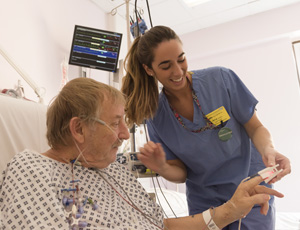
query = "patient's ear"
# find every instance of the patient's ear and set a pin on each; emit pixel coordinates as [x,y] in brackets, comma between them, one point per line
[76,129]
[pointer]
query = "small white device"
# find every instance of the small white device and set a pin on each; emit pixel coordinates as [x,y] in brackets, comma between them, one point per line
[269,173]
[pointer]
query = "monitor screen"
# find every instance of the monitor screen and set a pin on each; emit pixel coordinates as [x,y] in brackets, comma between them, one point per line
[95,48]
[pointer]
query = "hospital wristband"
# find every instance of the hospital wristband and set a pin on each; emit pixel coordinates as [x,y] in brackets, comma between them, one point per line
[208,219]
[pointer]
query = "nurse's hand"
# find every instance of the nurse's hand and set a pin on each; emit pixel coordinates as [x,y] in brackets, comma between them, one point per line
[153,156]
[272,157]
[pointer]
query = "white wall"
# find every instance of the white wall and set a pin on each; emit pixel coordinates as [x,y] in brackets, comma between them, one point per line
[259,49]
[37,35]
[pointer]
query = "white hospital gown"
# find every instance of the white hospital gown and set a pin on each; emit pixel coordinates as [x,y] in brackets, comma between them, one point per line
[31,197]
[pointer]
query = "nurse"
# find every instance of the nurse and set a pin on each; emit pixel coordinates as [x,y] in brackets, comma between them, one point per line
[203,125]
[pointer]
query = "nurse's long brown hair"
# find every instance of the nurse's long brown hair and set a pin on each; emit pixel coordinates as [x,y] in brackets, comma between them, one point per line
[141,89]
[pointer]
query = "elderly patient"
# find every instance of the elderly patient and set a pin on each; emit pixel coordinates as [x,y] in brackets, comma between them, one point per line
[78,185]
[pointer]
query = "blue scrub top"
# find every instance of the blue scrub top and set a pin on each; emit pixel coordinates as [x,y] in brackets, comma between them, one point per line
[214,168]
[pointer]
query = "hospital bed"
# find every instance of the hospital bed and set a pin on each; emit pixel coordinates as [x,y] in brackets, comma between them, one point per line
[22,126]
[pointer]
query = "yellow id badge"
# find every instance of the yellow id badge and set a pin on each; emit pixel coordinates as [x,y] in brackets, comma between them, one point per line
[218,115]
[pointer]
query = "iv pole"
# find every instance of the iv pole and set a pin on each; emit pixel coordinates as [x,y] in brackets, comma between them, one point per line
[113,12]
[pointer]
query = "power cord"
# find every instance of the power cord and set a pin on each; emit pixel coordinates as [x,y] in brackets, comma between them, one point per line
[147,139]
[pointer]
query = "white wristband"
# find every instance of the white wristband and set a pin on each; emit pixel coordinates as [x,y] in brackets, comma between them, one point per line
[210,224]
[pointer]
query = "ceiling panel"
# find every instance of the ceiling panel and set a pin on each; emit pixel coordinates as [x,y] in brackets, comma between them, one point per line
[182,19]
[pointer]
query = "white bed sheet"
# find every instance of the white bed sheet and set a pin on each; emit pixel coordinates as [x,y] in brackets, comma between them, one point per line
[22,125]
[287,221]
[173,203]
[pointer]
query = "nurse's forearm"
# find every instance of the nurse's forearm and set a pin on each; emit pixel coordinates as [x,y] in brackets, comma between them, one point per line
[173,173]
[259,134]
[262,139]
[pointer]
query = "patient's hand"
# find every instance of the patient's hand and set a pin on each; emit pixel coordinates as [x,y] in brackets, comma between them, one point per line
[250,193]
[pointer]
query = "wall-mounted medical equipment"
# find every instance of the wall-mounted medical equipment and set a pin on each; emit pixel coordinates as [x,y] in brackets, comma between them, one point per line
[134,164]
[95,48]
[139,27]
